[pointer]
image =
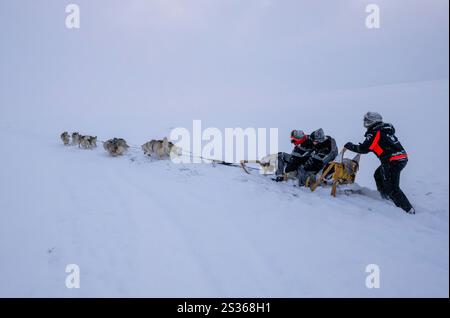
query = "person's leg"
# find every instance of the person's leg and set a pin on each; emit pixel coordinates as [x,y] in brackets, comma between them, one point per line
[283,159]
[395,193]
[380,181]
[303,176]
[281,164]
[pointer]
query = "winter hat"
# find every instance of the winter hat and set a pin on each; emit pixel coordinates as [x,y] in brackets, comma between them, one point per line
[298,137]
[371,118]
[318,135]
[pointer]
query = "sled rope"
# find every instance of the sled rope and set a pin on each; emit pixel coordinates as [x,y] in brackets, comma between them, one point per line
[217,161]
[191,155]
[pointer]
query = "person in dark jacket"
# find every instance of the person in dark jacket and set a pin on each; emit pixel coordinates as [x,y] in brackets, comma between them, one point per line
[381,140]
[325,150]
[303,147]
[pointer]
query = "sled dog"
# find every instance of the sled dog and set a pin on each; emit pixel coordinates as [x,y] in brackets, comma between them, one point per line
[88,142]
[160,148]
[116,146]
[268,164]
[65,137]
[76,139]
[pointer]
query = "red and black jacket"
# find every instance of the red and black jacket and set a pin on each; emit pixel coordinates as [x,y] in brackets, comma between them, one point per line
[381,140]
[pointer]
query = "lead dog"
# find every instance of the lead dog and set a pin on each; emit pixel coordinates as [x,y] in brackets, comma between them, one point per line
[65,137]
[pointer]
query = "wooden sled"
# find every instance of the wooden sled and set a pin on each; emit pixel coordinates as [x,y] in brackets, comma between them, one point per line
[341,171]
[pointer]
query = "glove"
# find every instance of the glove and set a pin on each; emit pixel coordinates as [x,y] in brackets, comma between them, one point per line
[279,179]
[309,162]
[349,146]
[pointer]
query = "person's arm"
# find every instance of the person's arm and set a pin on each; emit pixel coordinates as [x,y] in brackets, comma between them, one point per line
[322,157]
[332,154]
[296,160]
[363,147]
[291,166]
[313,161]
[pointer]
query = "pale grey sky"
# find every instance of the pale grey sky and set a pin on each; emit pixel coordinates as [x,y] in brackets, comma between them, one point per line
[141,52]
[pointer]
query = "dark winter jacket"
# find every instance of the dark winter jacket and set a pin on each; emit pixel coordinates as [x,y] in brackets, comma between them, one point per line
[381,140]
[322,154]
[300,155]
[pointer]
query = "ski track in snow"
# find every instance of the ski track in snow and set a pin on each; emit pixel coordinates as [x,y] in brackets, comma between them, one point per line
[142,227]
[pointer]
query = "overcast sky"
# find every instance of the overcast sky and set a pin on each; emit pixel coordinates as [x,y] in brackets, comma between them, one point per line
[142,51]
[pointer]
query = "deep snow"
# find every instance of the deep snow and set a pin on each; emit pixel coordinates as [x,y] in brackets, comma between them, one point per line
[138,227]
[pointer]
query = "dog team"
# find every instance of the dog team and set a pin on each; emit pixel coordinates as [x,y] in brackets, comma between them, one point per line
[118,146]
[85,142]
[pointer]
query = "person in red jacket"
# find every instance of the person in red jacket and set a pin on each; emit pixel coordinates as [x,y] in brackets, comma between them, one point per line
[381,140]
[303,148]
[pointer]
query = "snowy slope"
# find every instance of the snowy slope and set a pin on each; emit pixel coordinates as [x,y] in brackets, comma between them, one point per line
[138,227]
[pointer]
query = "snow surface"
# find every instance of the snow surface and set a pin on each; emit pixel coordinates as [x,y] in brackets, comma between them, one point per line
[136,69]
[138,227]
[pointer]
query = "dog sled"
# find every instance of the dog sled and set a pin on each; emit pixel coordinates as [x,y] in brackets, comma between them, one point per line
[340,172]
